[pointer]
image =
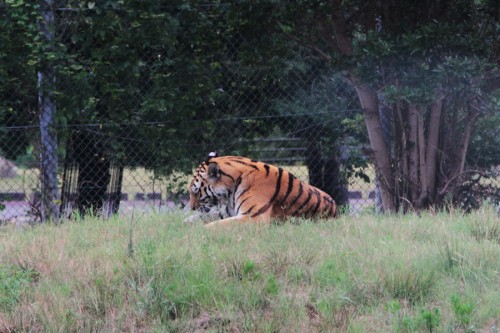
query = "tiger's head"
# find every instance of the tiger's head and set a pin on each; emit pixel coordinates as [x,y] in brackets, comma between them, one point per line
[206,193]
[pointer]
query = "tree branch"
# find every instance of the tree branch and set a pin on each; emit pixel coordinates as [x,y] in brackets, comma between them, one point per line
[465,140]
[322,54]
[445,188]
[344,43]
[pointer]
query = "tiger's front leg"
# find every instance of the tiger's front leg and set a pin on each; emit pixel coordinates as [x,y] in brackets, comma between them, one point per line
[260,219]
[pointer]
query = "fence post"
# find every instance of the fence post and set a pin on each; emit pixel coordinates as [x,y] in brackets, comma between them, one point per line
[48,135]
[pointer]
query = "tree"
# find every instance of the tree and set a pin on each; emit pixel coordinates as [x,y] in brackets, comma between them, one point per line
[433,62]
[162,82]
[322,114]
[18,88]
[29,33]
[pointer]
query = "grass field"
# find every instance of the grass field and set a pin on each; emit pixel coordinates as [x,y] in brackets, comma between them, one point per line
[429,273]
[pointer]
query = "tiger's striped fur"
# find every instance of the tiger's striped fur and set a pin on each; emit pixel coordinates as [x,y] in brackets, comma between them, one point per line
[237,189]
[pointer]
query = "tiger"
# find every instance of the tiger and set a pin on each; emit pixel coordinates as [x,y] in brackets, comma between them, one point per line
[237,189]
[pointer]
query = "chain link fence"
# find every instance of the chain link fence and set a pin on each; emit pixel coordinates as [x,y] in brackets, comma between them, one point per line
[82,134]
[122,167]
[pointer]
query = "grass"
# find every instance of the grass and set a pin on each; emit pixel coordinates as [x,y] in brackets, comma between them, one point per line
[429,273]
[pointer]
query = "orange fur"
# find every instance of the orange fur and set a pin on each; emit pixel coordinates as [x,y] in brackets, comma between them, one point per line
[240,189]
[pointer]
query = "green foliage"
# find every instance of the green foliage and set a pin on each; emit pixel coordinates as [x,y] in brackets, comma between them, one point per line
[171,73]
[409,283]
[163,287]
[485,229]
[431,319]
[146,73]
[13,281]
[249,269]
[451,255]
[463,311]
[272,286]
[21,49]
[245,271]
[330,274]
[427,319]
[485,142]
[412,53]
[328,109]
[183,278]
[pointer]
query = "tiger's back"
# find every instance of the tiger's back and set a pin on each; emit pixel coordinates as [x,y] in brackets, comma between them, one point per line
[247,189]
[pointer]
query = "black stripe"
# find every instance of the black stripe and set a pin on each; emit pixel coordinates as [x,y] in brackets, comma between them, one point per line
[275,195]
[309,206]
[248,164]
[289,189]
[225,174]
[241,203]
[304,203]
[267,169]
[315,209]
[210,192]
[333,206]
[301,189]
[335,212]
[252,171]
[243,192]
[238,182]
[248,211]
[329,199]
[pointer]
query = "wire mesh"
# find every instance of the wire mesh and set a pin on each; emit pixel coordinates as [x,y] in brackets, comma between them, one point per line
[132,121]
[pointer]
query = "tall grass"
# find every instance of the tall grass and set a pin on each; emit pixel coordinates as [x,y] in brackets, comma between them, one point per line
[429,273]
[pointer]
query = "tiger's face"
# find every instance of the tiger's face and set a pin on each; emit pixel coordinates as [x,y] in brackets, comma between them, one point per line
[200,197]
[206,194]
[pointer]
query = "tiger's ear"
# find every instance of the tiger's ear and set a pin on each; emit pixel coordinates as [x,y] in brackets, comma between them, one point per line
[211,155]
[213,170]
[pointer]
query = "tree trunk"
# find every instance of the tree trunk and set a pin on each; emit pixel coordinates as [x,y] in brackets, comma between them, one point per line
[422,159]
[461,152]
[429,189]
[93,173]
[413,160]
[48,134]
[369,103]
[333,182]
[325,174]
[314,164]
[401,159]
